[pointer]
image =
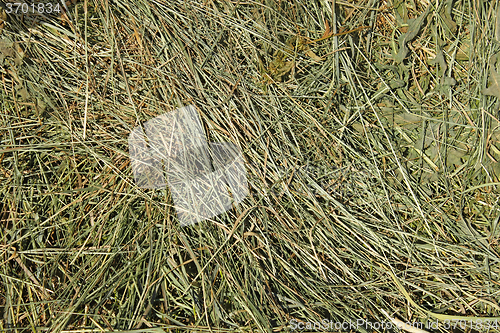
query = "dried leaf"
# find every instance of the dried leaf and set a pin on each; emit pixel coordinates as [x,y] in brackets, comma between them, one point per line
[22,91]
[313,55]
[414,26]
[401,11]
[446,16]
[439,60]
[497,25]
[327,32]
[454,157]
[3,18]
[446,81]
[494,88]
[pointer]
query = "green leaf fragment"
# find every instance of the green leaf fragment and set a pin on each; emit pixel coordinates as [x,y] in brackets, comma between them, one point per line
[414,26]
[497,25]
[446,16]
[494,80]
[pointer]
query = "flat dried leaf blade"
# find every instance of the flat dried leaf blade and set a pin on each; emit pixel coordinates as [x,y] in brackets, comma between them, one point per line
[494,88]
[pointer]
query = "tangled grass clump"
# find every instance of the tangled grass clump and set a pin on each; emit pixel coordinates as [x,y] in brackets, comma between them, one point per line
[371,139]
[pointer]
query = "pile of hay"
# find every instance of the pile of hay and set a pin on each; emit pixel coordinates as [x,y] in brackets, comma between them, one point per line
[370,134]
